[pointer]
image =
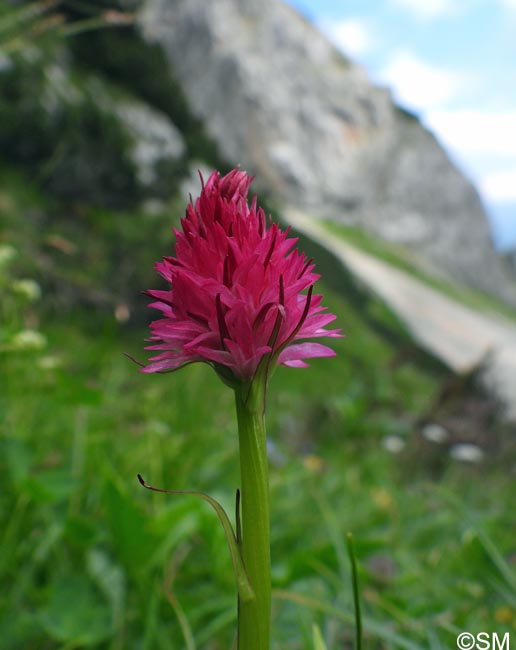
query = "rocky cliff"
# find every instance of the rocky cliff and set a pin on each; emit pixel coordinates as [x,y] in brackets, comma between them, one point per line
[279,99]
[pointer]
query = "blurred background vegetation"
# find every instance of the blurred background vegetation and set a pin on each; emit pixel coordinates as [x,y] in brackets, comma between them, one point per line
[361,443]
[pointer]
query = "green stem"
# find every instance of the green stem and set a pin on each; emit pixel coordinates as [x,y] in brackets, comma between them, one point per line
[254,615]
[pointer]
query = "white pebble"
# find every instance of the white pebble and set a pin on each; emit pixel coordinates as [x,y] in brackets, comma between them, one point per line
[393,444]
[467,452]
[434,433]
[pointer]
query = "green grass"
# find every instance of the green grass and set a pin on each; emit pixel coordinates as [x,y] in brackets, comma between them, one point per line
[91,560]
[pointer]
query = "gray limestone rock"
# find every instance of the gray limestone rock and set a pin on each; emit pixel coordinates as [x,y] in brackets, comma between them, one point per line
[92,140]
[280,100]
[154,139]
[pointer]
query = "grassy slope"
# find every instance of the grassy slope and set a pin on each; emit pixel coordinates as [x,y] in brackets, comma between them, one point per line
[400,257]
[89,559]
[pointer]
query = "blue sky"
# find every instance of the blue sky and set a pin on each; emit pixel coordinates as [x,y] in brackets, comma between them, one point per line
[453,62]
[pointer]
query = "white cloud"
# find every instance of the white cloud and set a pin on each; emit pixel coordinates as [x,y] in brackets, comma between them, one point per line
[352,35]
[420,85]
[477,132]
[428,9]
[486,143]
[508,4]
[500,186]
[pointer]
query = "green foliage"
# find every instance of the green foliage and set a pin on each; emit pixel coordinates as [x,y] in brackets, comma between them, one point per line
[91,560]
[63,128]
[83,255]
[62,119]
[23,23]
[318,640]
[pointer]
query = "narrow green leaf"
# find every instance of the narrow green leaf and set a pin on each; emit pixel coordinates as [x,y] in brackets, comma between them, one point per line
[110,579]
[490,548]
[379,630]
[318,640]
[356,594]
[496,558]
[245,590]
[25,15]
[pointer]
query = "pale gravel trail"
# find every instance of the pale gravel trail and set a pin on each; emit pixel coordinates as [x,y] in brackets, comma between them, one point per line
[458,335]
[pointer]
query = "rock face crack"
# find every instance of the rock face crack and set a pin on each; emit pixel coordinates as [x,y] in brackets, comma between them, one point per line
[460,336]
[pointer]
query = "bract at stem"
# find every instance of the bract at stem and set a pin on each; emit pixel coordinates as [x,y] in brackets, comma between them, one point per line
[245,592]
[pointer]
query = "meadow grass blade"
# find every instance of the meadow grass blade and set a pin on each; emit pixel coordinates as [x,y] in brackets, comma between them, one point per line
[487,543]
[378,630]
[318,640]
[496,558]
[356,594]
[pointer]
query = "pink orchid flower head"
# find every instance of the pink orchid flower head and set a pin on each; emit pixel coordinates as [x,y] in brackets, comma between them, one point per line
[240,297]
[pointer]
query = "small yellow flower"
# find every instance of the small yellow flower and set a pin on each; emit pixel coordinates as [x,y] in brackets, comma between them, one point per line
[382,498]
[505,615]
[313,463]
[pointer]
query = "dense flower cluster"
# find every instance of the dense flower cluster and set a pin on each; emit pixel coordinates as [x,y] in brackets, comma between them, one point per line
[236,298]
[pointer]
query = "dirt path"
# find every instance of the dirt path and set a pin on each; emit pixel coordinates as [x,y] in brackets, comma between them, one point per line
[458,335]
